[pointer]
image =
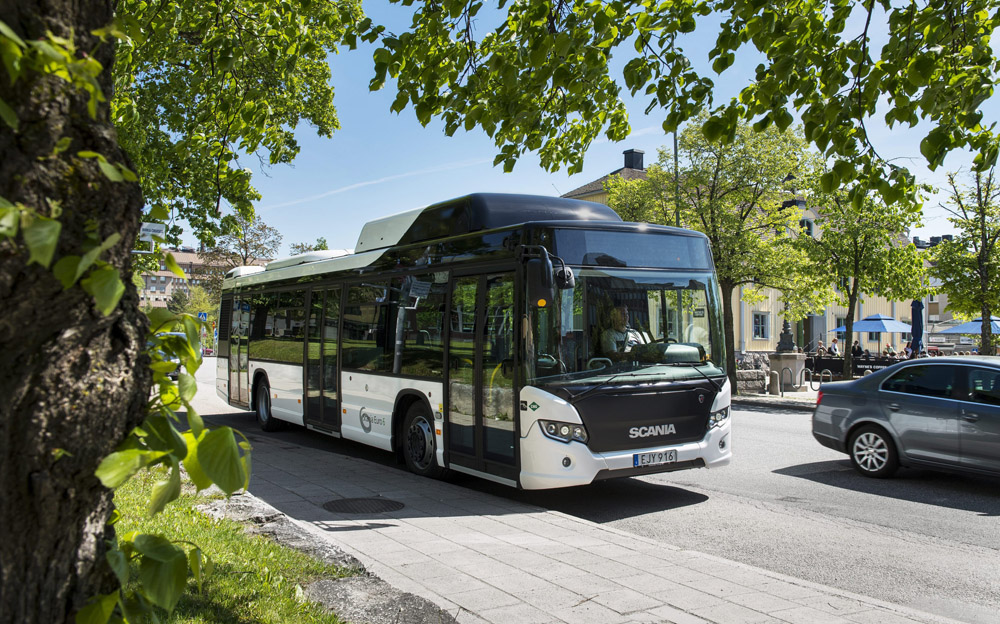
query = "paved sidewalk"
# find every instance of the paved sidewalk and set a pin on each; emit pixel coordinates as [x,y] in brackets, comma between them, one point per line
[488,559]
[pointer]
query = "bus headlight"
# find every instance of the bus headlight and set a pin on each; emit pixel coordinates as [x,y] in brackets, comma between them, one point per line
[564,432]
[715,419]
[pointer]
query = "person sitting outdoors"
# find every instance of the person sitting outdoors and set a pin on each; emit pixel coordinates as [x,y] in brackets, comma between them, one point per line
[856,349]
[820,349]
[834,347]
[890,350]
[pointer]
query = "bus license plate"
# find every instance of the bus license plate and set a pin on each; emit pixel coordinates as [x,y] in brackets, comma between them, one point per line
[654,459]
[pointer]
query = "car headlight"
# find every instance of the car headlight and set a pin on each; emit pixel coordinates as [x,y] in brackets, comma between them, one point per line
[564,432]
[715,419]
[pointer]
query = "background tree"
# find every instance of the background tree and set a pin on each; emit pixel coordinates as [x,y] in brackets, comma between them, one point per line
[536,76]
[246,242]
[298,248]
[737,194]
[968,267]
[213,83]
[863,250]
[178,301]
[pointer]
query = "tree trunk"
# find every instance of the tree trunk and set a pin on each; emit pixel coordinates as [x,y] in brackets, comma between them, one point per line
[71,380]
[727,329]
[852,303]
[986,331]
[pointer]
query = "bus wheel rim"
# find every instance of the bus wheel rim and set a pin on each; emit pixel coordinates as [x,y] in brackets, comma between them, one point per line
[421,443]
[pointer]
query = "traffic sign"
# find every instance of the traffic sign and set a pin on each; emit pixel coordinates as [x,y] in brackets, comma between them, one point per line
[203,316]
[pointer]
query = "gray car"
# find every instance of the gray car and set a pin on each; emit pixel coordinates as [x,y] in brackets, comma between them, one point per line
[940,413]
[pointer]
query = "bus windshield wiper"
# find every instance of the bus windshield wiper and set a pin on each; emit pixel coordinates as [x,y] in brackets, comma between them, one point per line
[694,366]
[579,397]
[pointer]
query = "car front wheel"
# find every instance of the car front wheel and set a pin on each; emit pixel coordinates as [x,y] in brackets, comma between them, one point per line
[873,453]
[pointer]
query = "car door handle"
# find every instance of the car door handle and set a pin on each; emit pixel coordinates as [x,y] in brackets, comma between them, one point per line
[969,416]
[894,407]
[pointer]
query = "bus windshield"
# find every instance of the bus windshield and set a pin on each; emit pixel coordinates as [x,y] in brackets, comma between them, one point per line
[627,326]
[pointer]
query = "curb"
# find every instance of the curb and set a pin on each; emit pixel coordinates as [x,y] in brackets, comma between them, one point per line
[778,403]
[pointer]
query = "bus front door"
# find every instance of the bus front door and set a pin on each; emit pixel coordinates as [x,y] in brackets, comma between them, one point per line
[239,391]
[482,400]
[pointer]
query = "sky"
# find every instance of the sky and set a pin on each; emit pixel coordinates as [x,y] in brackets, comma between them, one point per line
[380,163]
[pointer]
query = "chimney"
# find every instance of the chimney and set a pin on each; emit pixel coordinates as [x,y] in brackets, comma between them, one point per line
[633,159]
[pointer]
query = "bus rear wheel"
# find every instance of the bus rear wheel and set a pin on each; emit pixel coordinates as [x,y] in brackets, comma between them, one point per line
[419,447]
[265,418]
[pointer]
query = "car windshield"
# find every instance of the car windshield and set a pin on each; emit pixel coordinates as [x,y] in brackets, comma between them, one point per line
[628,325]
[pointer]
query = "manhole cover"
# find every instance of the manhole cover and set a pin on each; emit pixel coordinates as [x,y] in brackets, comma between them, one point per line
[362,505]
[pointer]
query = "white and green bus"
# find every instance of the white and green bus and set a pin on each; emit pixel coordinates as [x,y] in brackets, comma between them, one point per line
[533,341]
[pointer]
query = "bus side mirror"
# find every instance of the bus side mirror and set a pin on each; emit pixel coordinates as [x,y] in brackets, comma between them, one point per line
[565,278]
[538,274]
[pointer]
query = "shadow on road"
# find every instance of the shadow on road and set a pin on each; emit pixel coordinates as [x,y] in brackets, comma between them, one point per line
[953,491]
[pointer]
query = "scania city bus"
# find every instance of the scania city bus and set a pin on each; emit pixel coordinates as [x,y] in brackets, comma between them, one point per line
[532,341]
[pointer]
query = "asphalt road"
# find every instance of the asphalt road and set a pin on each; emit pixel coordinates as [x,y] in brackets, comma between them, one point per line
[922,539]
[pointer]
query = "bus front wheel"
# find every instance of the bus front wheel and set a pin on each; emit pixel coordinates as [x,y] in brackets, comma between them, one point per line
[265,418]
[419,448]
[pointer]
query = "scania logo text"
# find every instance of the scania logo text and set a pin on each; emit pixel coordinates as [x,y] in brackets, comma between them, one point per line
[656,430]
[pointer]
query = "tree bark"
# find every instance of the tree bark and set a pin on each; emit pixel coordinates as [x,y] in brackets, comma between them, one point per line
[727,329]
[72,382]
[852,304]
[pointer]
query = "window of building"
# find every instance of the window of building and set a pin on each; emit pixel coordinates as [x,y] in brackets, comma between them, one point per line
[932,298]
[841,321]
[761,325]
[806,225]
[875,337]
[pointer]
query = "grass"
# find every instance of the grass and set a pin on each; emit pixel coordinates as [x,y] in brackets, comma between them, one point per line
[256,580]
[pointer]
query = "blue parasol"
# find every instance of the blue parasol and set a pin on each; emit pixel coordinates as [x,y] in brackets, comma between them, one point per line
[877,323]
[973,327]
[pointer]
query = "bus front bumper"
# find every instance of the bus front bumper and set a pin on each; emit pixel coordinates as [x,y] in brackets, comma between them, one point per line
[548,463]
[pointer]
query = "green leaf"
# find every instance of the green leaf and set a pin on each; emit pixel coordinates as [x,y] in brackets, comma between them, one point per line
[167,438]
[99,610]
[65,270]
[173,267]
[119,564]
[110,171]
[10,217]
[163,571]
[117,467]
[160,318]
[8,115]
[165,491]
[42,236]
[196,424]
[219,457]
[6,31]
[106,286]
[187,386]
[194,470]
[713,129]
[195,558]
[158,213]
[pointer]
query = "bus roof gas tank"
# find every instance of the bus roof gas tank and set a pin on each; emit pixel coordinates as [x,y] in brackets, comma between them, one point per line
[472,213]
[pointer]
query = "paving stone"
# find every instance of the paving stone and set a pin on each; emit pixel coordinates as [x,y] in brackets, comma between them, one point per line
[808,615]
[590,613]
[670,615]
[733,614]
[483,599]
[626,601]
[516,614]
[759,601]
